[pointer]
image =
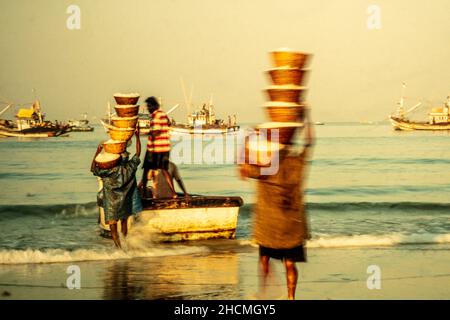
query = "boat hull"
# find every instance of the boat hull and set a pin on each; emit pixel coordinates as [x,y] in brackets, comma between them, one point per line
[190,130]
[173,220]
[32,133]
[82,129]
[399,124]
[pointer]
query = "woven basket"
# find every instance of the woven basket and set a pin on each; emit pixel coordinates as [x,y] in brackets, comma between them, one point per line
[285,114]
[124,122]
[259,151]
[286,93]
[126,99]
[281,132]
[108,164]
[121,134]
[116,147]
[283,76]
[286,58]
[127,111]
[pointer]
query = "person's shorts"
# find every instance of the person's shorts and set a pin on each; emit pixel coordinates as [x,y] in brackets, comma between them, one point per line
[296,254]
[156,160]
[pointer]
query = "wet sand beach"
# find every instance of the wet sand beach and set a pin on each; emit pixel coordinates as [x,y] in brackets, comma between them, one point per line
[222,270]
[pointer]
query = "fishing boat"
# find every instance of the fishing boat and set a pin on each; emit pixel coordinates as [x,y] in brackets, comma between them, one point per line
[31,123]
[204,121]
[438,118]
[81,125]
[180,219]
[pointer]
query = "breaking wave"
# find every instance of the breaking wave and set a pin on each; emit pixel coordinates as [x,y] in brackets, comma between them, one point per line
[385,240]
[31,256]
[377,240]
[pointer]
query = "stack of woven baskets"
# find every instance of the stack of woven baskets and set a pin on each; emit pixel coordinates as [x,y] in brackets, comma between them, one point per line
[121,129]
[286,107]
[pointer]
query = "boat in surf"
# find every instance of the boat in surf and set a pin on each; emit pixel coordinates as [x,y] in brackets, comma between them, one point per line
[182,219]
[31,123]
[438,117]
[81,125]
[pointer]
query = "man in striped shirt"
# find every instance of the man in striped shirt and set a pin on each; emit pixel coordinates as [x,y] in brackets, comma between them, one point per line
[158,146]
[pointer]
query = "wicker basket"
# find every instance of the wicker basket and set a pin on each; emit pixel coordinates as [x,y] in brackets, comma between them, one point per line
[281,132]
[287,93]
[260,151]
[127,111]
[287,58]
[284,113]
[116,147]
[126,98]
[107,164]
[124,122]
[283,76]
[121,134]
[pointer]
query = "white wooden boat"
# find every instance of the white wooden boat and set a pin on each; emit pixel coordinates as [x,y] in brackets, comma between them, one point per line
[438,118]
[180,219]
[406,125]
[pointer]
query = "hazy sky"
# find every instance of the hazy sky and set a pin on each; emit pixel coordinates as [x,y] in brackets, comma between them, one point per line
[221,47]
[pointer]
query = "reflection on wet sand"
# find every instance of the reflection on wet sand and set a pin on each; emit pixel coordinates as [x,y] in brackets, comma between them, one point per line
[174,277]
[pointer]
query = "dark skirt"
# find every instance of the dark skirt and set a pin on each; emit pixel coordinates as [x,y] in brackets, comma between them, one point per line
[156,160]
[296,254]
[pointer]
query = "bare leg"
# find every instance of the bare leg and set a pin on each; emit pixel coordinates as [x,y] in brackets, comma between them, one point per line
[115,235]
[291,277]
[264,266]
[124,227]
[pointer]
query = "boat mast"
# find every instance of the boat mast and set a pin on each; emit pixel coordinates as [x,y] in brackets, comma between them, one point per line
[401,109]
[5,109]
[210,110]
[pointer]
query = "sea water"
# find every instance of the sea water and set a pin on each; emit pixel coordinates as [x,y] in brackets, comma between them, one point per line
[367,186]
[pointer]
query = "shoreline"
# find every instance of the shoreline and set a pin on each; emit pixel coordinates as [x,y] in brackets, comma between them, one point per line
[232,273]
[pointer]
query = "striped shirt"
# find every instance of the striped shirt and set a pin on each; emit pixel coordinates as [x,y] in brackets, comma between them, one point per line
[161,142]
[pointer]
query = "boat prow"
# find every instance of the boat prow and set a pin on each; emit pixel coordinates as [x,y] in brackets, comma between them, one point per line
[181,219]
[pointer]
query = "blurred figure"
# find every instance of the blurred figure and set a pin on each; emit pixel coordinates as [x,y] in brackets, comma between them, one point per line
[280,225]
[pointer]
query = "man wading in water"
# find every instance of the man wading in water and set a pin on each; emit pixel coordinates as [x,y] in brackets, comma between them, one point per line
[119,195]
[280,226]
[158,147]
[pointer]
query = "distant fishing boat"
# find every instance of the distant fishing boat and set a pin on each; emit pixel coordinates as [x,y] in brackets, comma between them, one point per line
[438,118]
[81,125]
[31,123]
[204,121]
[181,219]
[318,123]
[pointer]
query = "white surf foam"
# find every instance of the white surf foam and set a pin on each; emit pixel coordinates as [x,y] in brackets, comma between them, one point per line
[367,240]
[30,256]
[378,240]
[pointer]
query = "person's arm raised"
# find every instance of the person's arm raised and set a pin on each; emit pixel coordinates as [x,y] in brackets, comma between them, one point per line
[138,142]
